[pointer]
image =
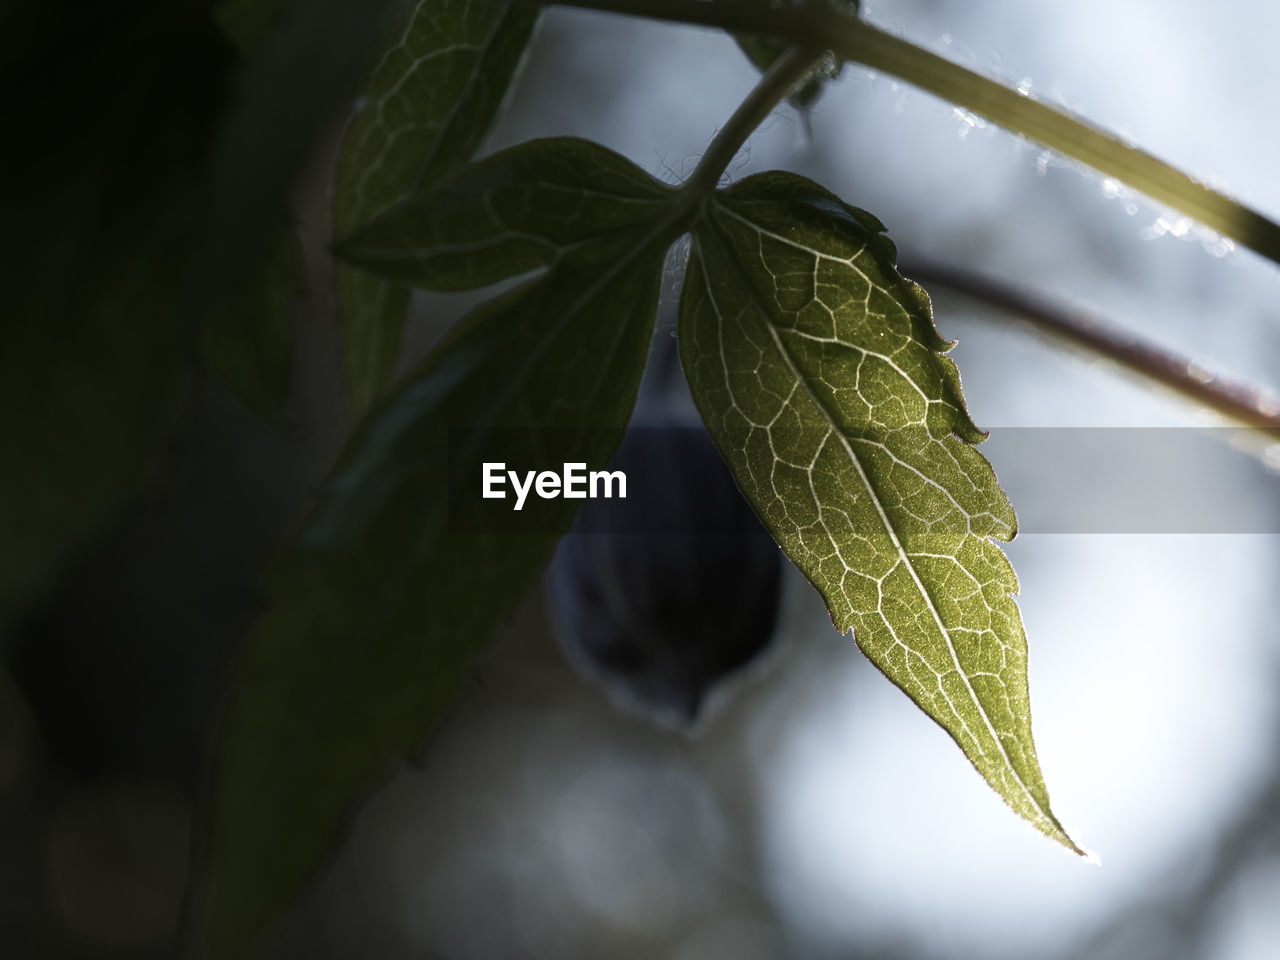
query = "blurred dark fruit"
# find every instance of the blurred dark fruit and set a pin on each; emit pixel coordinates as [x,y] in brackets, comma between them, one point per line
[661,596]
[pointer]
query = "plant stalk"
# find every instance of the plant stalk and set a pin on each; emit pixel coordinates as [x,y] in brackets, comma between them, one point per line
[783,75]
[818,26]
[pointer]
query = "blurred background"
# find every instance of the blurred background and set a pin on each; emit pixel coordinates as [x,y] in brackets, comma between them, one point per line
[815,813]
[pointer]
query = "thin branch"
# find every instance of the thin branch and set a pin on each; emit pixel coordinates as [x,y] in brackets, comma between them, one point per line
[820,25]
[1066,134]
[1239,401]
[792,66]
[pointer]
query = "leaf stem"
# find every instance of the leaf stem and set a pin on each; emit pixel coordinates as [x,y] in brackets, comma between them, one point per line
[785,72]
[1235,399]
[782,76]
[819,25]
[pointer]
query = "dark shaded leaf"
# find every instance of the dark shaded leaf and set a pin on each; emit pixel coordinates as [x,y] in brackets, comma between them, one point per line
[427,105]
[381,605]
[530,206]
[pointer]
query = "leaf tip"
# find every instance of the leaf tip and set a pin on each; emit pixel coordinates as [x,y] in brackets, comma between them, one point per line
[1060,834]
[1083,852]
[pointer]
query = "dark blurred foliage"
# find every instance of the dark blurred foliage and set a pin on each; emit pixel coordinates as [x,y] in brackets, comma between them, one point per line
[146,173]
[112,114]
[146,180]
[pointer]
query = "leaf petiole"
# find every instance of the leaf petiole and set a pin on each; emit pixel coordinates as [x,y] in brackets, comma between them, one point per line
[792,66]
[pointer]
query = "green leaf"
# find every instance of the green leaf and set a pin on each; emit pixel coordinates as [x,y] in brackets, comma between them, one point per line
[380,606]
[249,346]
[427,105]
[821,377]
[529,206]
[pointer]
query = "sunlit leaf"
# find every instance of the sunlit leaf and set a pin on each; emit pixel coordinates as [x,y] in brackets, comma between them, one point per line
[380,606]
[821,377]
[427,105]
